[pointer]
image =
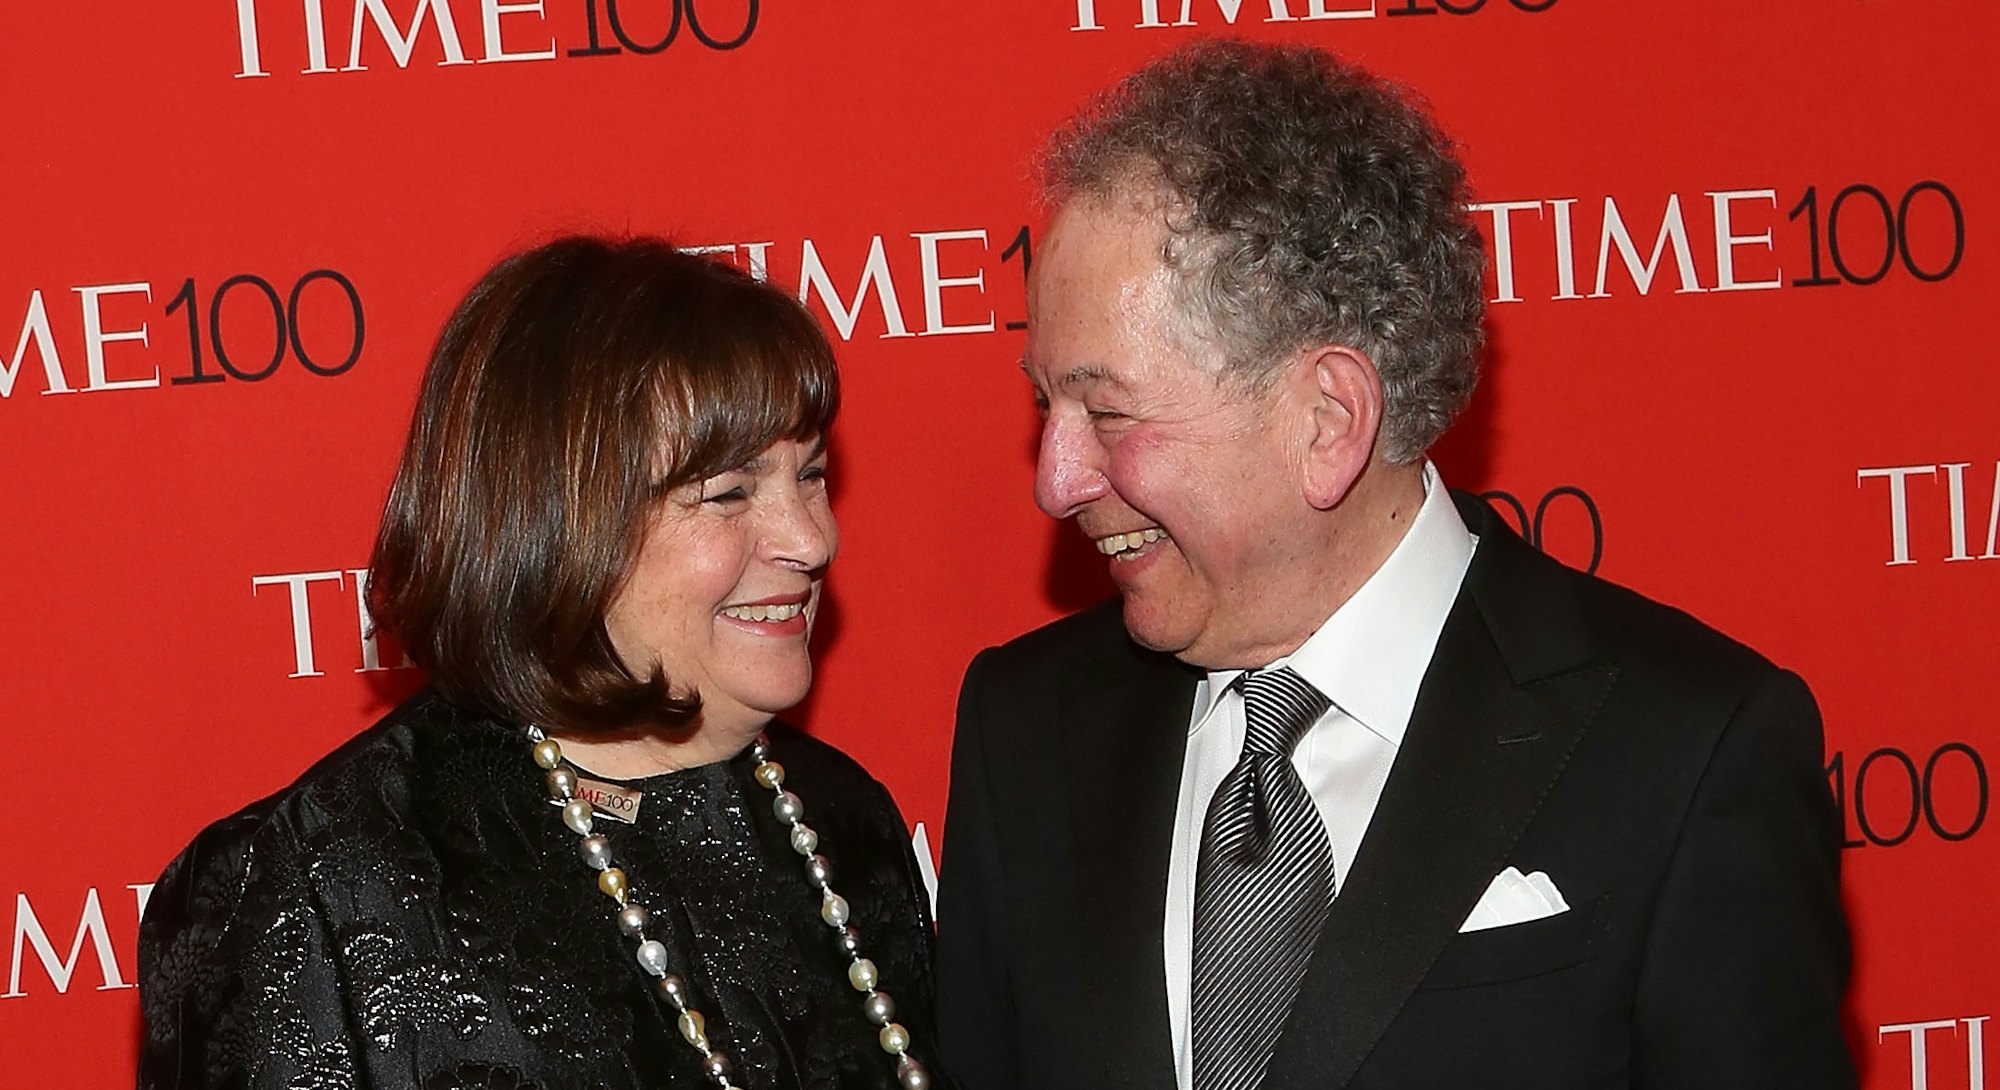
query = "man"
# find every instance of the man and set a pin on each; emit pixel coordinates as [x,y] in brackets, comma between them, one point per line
[1351,788]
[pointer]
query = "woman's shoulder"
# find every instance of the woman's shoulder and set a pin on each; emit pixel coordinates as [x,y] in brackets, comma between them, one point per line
[830,769]
[366,779]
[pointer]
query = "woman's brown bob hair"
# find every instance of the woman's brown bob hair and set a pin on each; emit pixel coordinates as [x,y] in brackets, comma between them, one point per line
[574,384]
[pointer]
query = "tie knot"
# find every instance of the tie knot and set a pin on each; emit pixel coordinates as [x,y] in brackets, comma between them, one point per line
[1278,707]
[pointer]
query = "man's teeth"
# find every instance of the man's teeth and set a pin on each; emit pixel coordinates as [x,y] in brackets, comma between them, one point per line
[765,613]
[1119,543]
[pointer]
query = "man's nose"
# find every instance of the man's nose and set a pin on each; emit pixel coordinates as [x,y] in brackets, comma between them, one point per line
[1068,468]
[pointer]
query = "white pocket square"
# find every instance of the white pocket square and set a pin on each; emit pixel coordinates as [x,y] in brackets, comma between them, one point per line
[1515,898]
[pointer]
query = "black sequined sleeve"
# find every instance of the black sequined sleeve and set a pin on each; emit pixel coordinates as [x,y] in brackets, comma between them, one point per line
[236,983]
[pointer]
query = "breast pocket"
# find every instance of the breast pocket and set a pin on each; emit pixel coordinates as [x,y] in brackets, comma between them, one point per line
[1519,951]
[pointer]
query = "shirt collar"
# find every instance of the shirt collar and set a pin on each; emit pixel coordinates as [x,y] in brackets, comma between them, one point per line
[1370,656]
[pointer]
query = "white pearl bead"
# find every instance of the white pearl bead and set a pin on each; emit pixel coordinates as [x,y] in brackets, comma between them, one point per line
[576,815]
[652,956]
[895,1039]
[862,975]
[804,840]
[788,807]
[547,753]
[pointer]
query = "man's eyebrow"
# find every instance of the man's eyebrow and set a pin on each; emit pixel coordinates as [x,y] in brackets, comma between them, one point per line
[1081,373]
[1089,372]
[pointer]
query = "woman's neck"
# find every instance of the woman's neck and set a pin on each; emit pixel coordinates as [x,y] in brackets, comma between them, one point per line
[634,753]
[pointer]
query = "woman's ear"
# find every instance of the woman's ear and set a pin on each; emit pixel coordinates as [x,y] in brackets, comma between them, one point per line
[1344,395]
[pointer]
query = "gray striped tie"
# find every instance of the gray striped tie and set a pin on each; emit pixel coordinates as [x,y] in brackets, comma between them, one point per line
[1262,888]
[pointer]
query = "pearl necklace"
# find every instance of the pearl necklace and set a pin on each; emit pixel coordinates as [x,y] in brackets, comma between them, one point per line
[652,954]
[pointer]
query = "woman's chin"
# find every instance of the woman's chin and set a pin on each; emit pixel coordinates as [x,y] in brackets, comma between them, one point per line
[773,698]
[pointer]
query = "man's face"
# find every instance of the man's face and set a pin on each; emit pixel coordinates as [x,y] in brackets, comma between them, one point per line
[1189,485]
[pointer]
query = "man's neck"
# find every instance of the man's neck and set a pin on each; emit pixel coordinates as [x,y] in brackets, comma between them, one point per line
[1357,537]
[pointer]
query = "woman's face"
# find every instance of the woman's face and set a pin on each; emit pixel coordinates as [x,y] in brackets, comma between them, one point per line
[726,584]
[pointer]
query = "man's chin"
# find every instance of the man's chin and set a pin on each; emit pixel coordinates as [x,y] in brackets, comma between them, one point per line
[1157,630]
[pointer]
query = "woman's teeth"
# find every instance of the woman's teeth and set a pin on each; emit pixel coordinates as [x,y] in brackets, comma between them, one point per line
[765,613]
[1118,544]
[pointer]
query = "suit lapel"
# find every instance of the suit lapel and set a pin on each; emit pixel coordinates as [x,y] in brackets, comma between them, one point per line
[1510,690]
[1124,766]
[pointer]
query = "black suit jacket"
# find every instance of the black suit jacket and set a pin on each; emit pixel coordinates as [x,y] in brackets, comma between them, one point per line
[1667,779]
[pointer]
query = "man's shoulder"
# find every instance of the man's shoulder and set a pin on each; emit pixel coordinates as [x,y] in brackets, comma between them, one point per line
[1085,643]
[1662,644]
[1643,627]
[1533,600]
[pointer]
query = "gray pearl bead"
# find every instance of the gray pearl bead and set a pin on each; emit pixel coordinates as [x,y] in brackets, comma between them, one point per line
[632,921]
[652,956]
[788,807]
[804,840]
[819,870]
[576,815]
[910,1074]
[562,783]
[833,909]
[595,850]
[879,1008]
[674,990]
[716,1064]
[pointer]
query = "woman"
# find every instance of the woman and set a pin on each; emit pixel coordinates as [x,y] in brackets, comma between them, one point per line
[587,855]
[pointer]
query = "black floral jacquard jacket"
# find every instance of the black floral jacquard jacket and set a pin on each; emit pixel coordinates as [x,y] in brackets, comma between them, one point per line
[412,913]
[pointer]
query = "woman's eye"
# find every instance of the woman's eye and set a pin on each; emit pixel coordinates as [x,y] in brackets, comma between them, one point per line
[731,496]
[813,473]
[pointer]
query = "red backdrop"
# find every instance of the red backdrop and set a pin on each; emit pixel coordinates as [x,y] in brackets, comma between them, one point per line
[1740,254]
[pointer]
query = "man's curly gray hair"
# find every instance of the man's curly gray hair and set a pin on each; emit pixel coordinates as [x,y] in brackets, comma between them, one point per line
[1309,203]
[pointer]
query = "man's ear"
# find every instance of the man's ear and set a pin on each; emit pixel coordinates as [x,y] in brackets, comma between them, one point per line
[1344,395]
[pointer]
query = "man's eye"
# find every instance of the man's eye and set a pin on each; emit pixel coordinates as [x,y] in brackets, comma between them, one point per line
[813,473]
[732,496]
[1105,415]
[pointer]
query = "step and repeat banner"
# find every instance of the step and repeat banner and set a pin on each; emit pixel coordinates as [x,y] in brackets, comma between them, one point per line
[1743,258]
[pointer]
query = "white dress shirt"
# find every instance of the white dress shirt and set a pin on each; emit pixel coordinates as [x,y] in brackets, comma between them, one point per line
[1368,658]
